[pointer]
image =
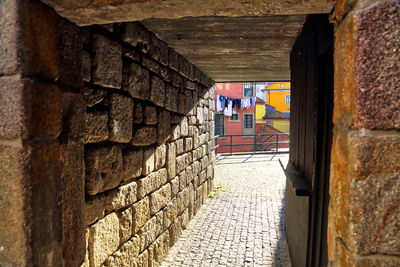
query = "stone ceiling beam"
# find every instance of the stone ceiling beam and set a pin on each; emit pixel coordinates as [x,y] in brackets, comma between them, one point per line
[86,12]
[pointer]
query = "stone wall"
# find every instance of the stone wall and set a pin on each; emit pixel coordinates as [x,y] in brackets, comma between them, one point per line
[105,152]
[148,152]
[364,210]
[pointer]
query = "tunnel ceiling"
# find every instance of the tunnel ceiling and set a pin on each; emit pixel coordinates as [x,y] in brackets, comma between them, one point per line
[233,49]
[85,12]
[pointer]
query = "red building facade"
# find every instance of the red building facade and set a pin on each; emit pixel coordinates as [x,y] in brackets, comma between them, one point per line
[241,123]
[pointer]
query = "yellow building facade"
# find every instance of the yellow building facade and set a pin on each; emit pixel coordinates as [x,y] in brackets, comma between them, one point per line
[277,95]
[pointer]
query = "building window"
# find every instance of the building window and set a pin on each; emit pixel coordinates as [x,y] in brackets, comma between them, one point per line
[248,89]
[219,124]
[287,99]
[270,123]
[234,117]
[248,123]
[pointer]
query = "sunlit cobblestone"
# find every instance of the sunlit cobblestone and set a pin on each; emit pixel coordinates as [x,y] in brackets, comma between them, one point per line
[241,224]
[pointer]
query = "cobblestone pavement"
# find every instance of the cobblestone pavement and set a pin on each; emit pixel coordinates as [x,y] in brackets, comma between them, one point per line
[242,223]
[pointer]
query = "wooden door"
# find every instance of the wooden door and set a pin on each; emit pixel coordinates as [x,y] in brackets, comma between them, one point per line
[311,63]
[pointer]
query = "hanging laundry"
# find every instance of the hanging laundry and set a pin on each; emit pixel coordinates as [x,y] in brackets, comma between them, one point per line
[227,100]
[245,103]
[220,103]
[228,110]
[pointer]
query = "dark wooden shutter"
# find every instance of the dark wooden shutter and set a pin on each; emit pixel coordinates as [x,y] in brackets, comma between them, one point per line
[311,62]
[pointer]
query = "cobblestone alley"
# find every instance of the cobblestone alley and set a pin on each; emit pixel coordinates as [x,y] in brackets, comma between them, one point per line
[241,224]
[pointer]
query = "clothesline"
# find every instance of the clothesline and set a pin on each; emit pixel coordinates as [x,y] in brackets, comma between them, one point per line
[231,105]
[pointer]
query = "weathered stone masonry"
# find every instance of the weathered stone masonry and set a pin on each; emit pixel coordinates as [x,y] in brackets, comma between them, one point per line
[148,153]
[104,141]
[364,204]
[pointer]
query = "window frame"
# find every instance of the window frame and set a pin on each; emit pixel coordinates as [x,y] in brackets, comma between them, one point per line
[252,89]
[232,120]
[223,125]
[286,98]
[248,130]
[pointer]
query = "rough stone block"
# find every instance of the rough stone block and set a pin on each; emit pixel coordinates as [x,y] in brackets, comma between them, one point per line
[136,35]
[96,127]
[158,250]
[160,198]
[175,186]
[137,81]
[151,183]
[210,171]
[125,225]
[200,115]
[11,106]
[374,193]
[45,117]
[157,91]
[104,239]
[175,232]
[173,59]
[121,118]
[192,121]
[154,47]
[103,168]
[184,125]
[182,161]
[8,34]
[137,112]
[86,66]
[196,167]
[131,53]
[126,255]
[171,98]
[205,113]
[150,115]
[94,209]
[171,160]
[186,101]
[176,132]
[190,85]
[184,218]
[183,180]
[188,144]
[377,60]
[132,161]
[140,214]
[160,156]
[93,96]
[170,213]
[183,66]
[165,74]
[180,148]
[151,65]
[148,161]
[121,197]
[189,174]
[183,199]
[149,232]
[177,80]
[107,62]
[164,126]
[143,259]
[202,177]
[144,135]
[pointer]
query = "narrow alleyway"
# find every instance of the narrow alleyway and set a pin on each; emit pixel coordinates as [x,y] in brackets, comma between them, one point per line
[241,224]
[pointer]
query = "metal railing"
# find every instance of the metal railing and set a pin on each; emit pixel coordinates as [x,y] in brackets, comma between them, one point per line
[261,142]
